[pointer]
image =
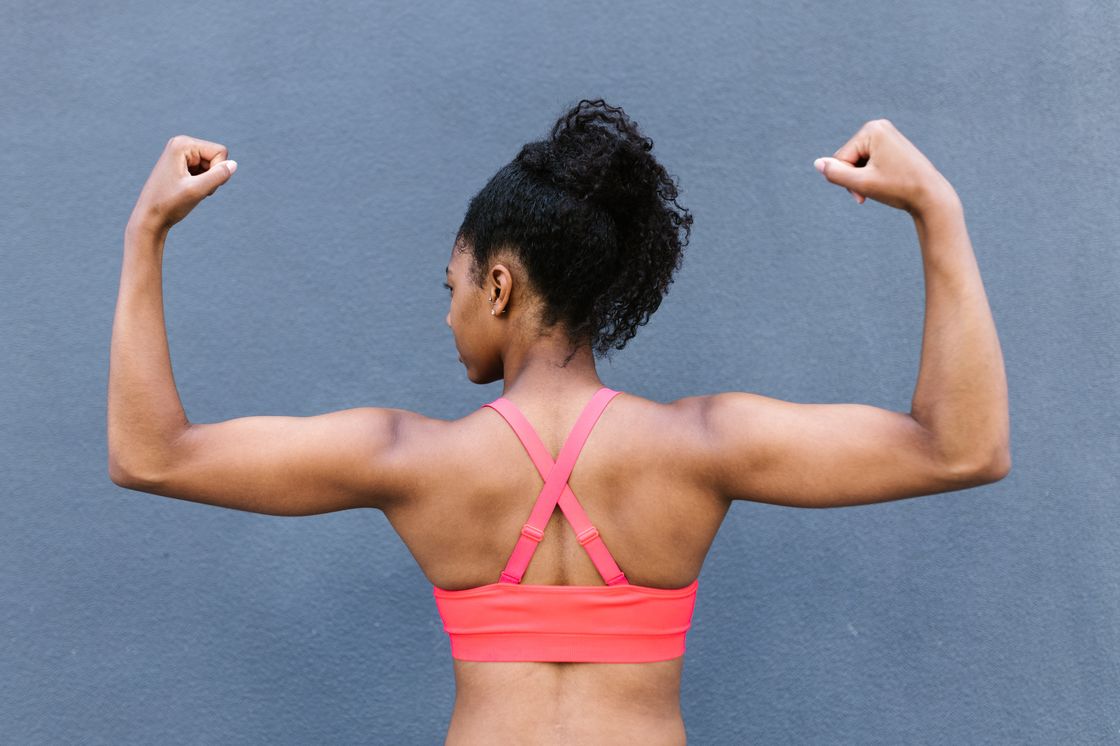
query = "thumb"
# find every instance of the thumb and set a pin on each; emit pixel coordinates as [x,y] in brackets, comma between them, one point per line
[842,173]
[215,176]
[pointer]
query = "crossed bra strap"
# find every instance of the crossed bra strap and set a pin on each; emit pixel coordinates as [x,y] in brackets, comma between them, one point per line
[556,490]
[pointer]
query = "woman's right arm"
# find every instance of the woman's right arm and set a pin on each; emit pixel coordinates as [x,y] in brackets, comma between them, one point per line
[956,434]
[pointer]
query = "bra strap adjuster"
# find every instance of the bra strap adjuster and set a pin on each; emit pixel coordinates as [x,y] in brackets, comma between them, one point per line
[588,534]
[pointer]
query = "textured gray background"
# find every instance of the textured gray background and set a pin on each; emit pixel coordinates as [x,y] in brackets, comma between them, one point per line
[311,282]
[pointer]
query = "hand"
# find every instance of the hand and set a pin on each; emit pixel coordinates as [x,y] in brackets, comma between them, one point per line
[188,171]
[880,163]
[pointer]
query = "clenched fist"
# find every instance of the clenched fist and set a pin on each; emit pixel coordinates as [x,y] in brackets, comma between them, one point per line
[188,171]
[880,163]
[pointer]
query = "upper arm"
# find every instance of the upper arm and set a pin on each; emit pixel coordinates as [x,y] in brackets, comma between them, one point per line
[826,455]
[289,466]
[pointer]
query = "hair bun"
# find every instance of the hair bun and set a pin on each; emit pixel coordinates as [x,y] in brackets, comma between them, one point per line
[595,152]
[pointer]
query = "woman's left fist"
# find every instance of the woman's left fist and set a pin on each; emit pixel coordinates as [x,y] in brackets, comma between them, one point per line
[188,171]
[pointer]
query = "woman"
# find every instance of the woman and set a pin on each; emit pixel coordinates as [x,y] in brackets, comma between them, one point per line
[561,256]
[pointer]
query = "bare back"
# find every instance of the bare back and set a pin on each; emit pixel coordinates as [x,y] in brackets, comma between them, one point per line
[636,479]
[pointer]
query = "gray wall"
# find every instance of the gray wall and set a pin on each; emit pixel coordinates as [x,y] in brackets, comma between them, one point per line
[311,282]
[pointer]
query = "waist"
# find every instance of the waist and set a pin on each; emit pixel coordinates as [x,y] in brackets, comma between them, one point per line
[543,703]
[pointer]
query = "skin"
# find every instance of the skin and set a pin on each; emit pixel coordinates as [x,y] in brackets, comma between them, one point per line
[652,476]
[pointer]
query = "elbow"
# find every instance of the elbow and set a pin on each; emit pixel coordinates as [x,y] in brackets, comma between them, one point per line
[119,475]
[991,469]
[123,476]
[999,467]
[139,467]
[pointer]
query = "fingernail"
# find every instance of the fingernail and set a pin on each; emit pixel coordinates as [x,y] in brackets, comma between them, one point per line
[232,166]
[819,164]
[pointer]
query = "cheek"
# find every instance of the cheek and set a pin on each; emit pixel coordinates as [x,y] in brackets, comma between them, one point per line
[455,317]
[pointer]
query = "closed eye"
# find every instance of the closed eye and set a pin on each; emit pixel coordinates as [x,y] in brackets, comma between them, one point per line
[446,286]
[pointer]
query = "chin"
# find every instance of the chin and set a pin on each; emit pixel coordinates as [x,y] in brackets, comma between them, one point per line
[481,378]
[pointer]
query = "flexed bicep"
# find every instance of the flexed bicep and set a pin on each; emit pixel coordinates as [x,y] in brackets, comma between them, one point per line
[825,455]
[280,465]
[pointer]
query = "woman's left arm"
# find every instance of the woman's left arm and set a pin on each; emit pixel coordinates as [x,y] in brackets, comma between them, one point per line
[263,464]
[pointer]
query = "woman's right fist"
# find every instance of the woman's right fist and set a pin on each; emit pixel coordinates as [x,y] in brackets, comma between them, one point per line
[880,163]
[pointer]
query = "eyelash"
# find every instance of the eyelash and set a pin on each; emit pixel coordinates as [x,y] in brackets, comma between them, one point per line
[447,286]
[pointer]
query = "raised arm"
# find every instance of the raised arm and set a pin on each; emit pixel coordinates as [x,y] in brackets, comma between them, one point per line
[263,464]
[956,434]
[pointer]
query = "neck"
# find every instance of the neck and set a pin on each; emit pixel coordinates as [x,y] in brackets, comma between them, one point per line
[536,369]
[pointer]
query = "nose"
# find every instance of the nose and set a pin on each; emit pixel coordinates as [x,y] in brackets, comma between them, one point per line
[447,320]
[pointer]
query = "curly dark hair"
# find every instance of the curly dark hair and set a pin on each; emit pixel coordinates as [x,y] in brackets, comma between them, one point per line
[594,220]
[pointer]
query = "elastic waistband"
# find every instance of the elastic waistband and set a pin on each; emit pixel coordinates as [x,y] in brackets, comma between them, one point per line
[556,646]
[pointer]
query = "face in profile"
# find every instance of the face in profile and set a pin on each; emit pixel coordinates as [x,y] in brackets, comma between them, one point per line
[478,334]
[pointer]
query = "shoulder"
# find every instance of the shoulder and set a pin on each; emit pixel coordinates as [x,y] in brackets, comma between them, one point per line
[424,447]
[678,431]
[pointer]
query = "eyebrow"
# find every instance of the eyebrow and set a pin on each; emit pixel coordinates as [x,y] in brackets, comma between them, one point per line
[447,269]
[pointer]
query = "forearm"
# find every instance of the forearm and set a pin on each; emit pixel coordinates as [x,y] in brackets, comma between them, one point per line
[961,392]
[145,414]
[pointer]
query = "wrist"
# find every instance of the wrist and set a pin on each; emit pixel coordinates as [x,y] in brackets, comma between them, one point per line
[934,197]
[145,230]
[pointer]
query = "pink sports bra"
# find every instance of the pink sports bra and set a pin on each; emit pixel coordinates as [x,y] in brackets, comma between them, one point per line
[614,623]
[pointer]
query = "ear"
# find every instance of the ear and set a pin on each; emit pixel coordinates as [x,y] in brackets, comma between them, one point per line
[499,285]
